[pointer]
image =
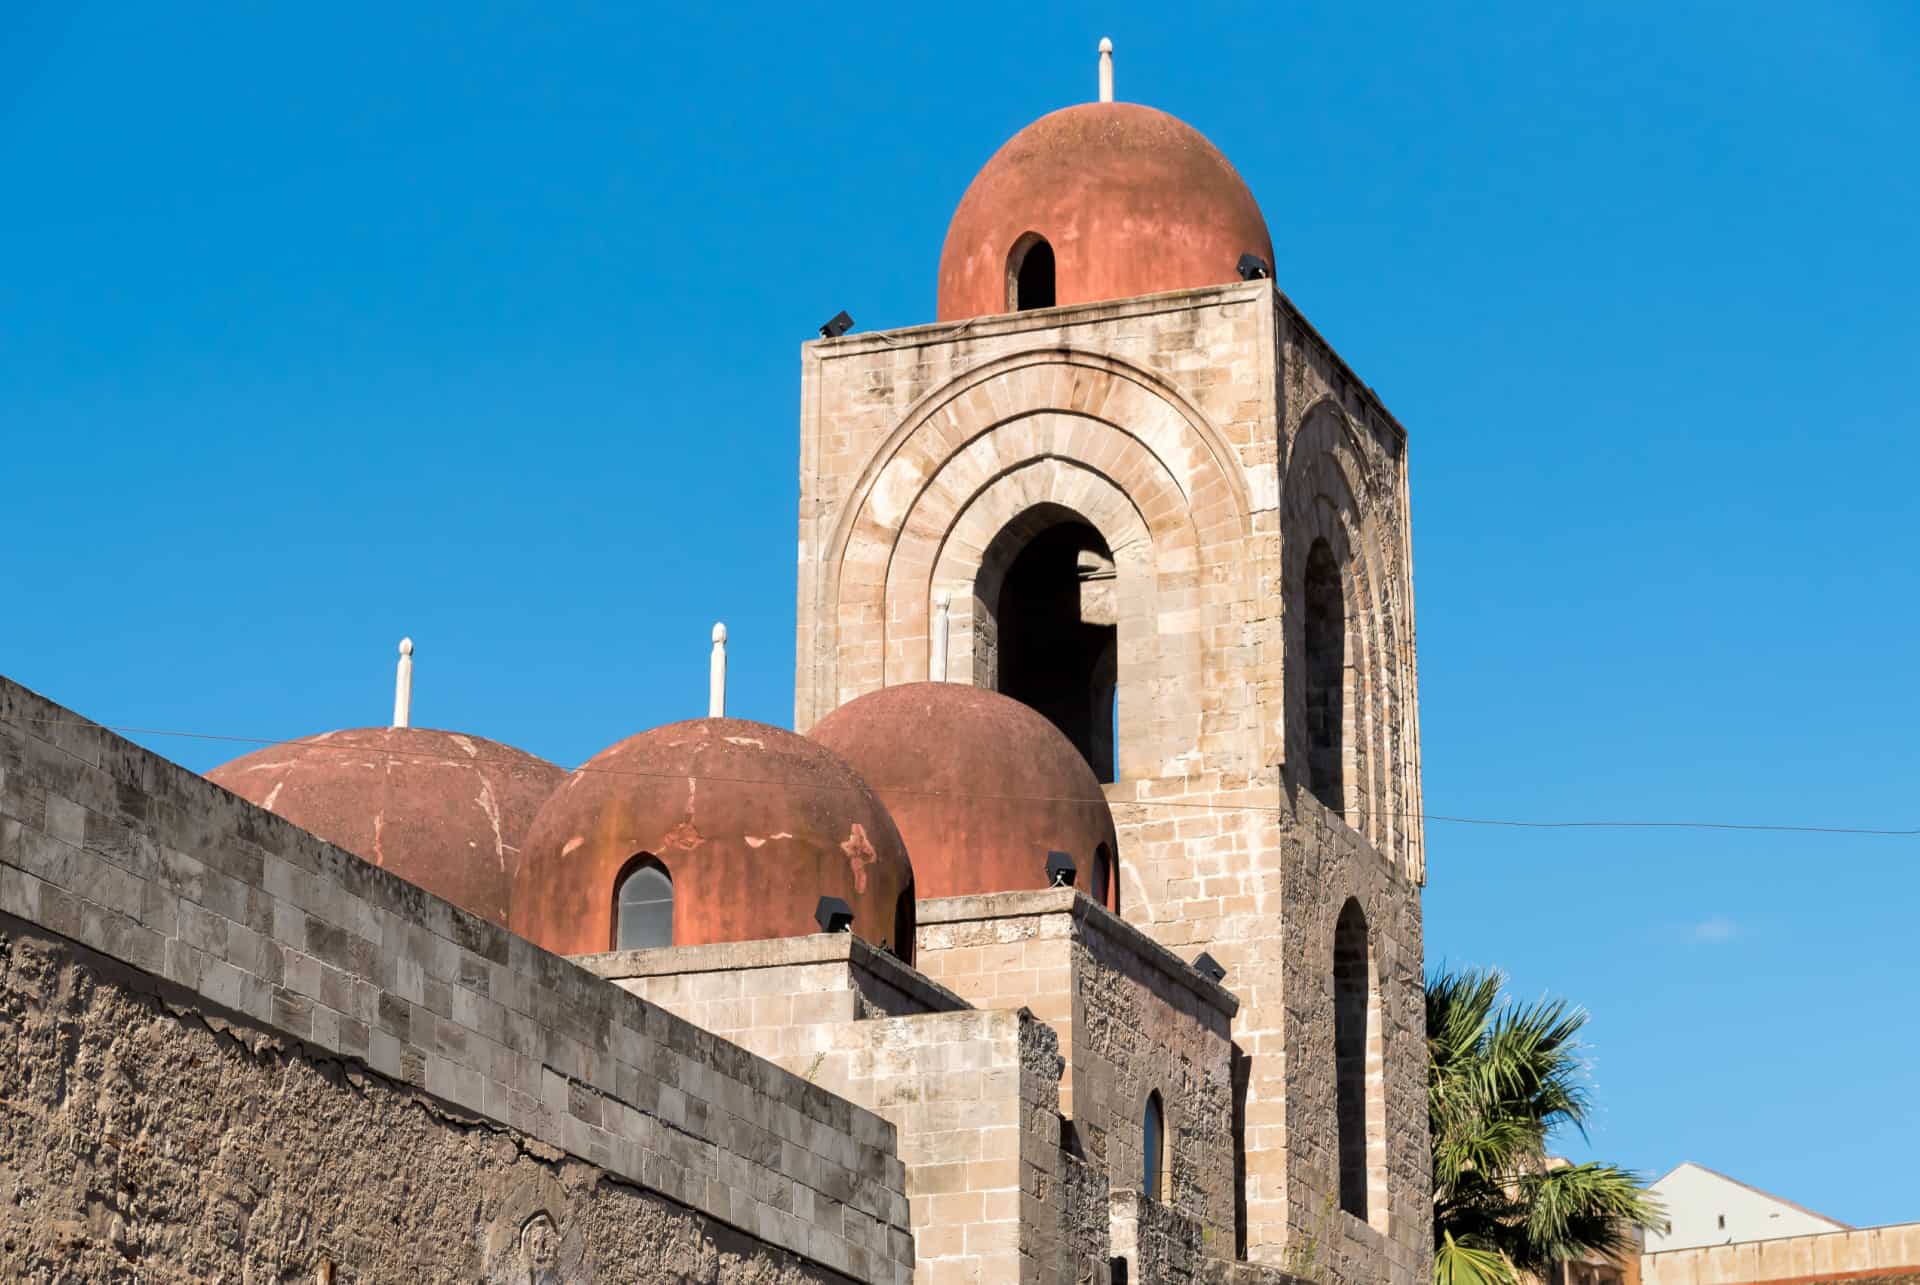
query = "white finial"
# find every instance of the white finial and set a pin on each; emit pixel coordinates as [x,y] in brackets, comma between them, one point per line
[717,675]
[1106,70]
[403,686]
[937,662]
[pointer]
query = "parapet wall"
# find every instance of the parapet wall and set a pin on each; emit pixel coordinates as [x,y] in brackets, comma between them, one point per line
[146,890]
[1859,1256]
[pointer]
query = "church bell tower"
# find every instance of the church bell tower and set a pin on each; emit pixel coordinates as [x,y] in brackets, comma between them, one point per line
[1122,479]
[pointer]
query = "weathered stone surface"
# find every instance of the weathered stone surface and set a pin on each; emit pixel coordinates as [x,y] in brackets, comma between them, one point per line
[115,849]
[144,1139]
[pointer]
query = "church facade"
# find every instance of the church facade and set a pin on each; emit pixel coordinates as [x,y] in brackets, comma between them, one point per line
[1073,934]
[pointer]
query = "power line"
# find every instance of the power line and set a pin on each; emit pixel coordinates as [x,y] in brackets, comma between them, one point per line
[468,761]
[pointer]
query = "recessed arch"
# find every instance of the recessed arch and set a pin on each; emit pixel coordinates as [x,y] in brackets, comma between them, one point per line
[1030,273]
[1358,1070]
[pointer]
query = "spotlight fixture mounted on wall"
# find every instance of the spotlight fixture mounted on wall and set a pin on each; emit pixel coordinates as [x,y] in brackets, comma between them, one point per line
[840,325]
[833,915]
[1254,268]
[1210,968]
[1061,870]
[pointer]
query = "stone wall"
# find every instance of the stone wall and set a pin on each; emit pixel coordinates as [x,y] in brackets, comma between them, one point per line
[975,1097]
[1132,1019]
[108,847]
[1860,1256]
[144,1136]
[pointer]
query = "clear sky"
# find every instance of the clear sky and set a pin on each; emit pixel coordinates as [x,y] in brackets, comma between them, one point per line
[480,322]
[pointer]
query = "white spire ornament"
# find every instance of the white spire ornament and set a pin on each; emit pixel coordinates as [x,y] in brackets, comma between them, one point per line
[403,686]
[1106,70]
[717,675]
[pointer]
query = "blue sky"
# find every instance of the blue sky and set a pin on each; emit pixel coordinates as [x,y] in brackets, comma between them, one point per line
[480,322]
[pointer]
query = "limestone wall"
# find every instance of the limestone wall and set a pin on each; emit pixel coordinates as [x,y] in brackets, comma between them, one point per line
[256,924]
[144,1136]
[975,1096]
[1860,1256]
[1132,1019]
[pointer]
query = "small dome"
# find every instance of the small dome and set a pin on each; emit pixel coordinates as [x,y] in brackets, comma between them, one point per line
[981,786]
[1129,200]
[439,809]
[751,823]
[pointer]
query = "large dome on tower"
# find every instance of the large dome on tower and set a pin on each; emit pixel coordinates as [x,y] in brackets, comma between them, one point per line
[440,809]
[1128,200]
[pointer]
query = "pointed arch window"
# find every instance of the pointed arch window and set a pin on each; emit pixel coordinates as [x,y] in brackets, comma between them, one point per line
[1352,1004]
[1153,1149]
[643,906]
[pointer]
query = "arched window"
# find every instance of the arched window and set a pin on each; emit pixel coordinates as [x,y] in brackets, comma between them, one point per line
[1058,637]
[1352,1002]
[643,906]
[1030,274]
[1326,671]
[1153,1149]
[1102,882]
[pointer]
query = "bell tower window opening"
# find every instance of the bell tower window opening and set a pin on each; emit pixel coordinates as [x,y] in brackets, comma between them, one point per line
[1030,274]
[643,906]
[1326,670]
[1059,637]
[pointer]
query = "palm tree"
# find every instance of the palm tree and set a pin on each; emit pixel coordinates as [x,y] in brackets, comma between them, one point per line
[1500,1076]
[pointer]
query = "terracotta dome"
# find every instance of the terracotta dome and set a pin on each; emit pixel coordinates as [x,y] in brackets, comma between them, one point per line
[981,786]
[440,809]
[1130,200]
[752,823]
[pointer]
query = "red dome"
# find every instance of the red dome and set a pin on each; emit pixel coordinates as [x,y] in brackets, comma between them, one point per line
[439,809]
[981,786]
[752,823]
[1131,201]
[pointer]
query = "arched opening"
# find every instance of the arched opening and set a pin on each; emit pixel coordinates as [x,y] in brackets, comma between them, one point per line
[1059,637]
[1325,668]
[904,925]
[1101,885]
[1352,987]
[1153,1149]
[643,905]
[1030,274]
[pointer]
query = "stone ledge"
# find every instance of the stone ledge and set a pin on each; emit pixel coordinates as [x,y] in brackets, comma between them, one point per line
[1041,902]
[1037,319]
[776,952]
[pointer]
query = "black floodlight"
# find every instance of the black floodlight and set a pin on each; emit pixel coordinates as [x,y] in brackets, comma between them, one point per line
[833,915]
[840,325]
[1209,967]
[1061,870]
[1252,268]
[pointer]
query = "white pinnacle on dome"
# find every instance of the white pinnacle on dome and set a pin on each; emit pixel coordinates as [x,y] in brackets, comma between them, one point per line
[1106,69]
[403,686]
[717,675]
